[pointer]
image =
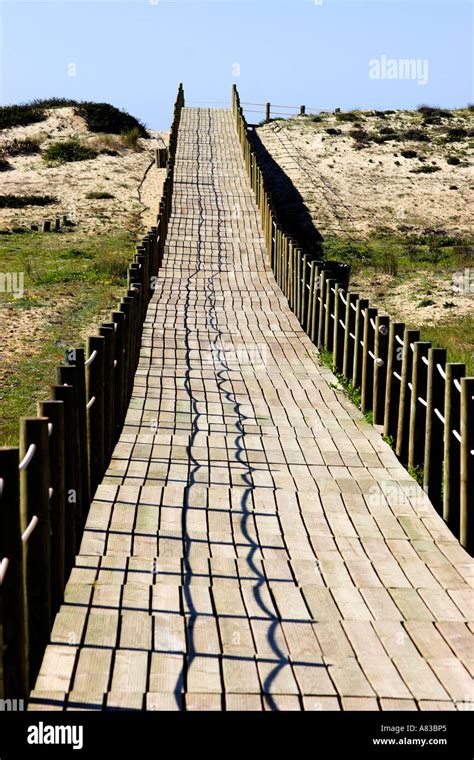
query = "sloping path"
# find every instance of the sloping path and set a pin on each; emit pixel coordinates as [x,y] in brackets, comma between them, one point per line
[254,544]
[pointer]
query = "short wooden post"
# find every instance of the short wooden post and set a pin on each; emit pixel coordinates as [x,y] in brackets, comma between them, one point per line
[361,306]
[467,464]
[34,503]
[392,389]
[382,327]
[47,225]
[14,656]
[65,394]
[367,386]
[54,411]
[417,426]
[267,111]
[409,337]
[349,320]
[304,288]
[452,447]
[95,406]
[434,436]
[302,110]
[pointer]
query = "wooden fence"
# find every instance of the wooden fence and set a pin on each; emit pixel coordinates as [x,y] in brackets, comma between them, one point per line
[425,405]
[46,486]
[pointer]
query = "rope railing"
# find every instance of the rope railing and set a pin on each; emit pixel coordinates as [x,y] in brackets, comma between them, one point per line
[65,451]
[422,403]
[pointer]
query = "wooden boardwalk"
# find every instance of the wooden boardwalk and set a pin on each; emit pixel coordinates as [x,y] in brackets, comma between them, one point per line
[254,543]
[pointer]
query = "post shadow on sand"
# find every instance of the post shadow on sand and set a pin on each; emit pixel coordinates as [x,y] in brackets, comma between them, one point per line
[288,203]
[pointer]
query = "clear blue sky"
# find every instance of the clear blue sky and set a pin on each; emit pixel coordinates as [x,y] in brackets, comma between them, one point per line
[133,53]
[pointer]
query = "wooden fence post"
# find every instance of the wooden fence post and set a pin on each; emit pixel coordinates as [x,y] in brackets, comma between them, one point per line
[65,394]
[392,390]
[367,386]
[54,411]
[409,337]
[267,111]
[434,436]
[107,331]
[382,327]
[339,329]
[348,361]
[118,318]
[361,306]
[13,610]
[34,503]
[467,464]
[95,406]
[417,425]
[68,375]
[76,356]
[452,449]
[329,314]
[321,310]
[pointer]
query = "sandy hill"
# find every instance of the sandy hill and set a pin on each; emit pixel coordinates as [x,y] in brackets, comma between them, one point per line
[120,169]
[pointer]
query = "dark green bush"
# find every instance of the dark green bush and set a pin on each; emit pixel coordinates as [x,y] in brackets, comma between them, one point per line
[408,153]
[333,131]
[99,195]
[433,111]
[69,150]
[20,116]
[102,117]
[456,134]
[425,170]
[348,116]
[415,134]
[19,201]
[453,160]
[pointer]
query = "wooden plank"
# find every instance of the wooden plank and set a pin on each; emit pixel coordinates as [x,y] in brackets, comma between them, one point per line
[93,671]
[130,671]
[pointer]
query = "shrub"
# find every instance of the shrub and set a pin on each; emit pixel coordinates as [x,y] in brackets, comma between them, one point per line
[453,160]
[314,117]
[415,134]
[431,111]
[425,170]
[20,116]
[24,147]
[102,117]
[130,138]
[19,201]
[333,131]
[458,133]
[69,150]
[349,116]
[4,165]
[426,302]
[408,153]
[360,135]
[99,195]
[386,136]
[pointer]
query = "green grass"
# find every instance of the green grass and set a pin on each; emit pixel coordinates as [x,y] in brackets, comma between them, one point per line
[76,278]
[457,337]
[68,150]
